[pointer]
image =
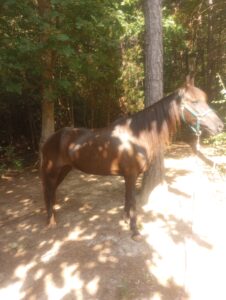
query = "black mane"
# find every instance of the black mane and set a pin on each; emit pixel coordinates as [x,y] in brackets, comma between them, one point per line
[161,119]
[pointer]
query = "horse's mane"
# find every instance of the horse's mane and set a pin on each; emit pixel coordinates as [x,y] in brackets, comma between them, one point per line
[159,120]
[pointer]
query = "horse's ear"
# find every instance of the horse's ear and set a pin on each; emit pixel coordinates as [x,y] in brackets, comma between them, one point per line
[190,80]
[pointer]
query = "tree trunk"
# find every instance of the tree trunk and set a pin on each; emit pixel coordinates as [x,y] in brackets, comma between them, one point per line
[152,177]
[44,7]
[153,51]
[153,84]
[47,119]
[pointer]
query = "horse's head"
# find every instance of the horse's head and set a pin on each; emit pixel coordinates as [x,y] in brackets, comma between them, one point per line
[195,111]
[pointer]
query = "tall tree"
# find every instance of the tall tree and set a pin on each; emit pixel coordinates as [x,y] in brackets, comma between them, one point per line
[44,7]
[153,51]
[153,82]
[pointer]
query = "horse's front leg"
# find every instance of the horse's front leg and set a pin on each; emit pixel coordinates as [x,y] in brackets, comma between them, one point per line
[130,206]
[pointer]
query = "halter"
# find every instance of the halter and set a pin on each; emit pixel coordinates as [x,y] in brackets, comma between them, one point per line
[196,129]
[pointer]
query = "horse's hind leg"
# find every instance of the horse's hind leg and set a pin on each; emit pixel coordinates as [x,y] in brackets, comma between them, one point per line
[51,180]
[130,206]
[62,174]
[49,189]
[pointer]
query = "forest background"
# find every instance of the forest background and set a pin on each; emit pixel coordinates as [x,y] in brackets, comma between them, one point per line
[86,57]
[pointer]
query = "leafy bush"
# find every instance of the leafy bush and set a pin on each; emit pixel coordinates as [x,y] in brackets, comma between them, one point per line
[220,139]
[10,158]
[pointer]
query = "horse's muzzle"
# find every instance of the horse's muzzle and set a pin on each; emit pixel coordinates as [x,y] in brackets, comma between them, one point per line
[220,127]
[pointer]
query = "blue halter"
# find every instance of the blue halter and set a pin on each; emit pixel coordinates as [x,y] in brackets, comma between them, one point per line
[195,128]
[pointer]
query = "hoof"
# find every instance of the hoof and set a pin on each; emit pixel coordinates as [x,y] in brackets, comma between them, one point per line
[126,218]
[137,237]
[51,223]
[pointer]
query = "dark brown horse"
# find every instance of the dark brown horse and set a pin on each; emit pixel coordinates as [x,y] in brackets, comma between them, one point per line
[126,147]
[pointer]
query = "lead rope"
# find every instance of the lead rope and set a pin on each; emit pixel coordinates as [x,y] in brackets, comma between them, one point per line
[188,245]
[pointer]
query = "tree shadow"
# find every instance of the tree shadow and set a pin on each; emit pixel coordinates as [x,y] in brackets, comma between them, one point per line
[179,150]
[177,229]
[90,254]
[172,174]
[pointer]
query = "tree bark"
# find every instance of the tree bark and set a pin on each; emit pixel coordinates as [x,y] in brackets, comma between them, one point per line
[47,119]
[44,7]
[152,177]
[153,51]
[153,85]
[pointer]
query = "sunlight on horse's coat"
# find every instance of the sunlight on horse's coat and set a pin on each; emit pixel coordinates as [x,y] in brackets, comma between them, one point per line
[126,147]
[124,137]
[49,165]
[114,167]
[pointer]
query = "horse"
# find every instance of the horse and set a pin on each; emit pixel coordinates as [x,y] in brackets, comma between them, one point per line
[126,147]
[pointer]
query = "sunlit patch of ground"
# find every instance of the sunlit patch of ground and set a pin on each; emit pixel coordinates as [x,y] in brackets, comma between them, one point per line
[90,254]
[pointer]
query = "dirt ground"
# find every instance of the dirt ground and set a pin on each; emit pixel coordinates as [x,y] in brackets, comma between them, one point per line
[90,254]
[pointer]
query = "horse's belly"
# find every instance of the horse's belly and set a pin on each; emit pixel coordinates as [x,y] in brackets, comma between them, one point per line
[98,167]
[96,162]
[108,159]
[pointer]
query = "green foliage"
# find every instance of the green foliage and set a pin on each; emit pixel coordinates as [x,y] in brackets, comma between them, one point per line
[220,139]
[132,68]
[219,104]
[84,40]
[222,99]
[10,159]
[174,44]
[97,56]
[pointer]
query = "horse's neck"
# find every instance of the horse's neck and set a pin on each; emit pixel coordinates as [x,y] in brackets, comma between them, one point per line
[159,122]
[152,127]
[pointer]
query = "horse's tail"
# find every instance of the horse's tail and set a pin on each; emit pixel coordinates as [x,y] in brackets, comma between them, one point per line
[42,157]
[41,162]
[43,152]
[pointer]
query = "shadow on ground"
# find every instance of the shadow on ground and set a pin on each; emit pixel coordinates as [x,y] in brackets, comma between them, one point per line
[90,254]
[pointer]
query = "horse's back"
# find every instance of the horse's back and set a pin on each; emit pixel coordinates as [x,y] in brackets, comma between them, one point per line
[106,151]
[56,146]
